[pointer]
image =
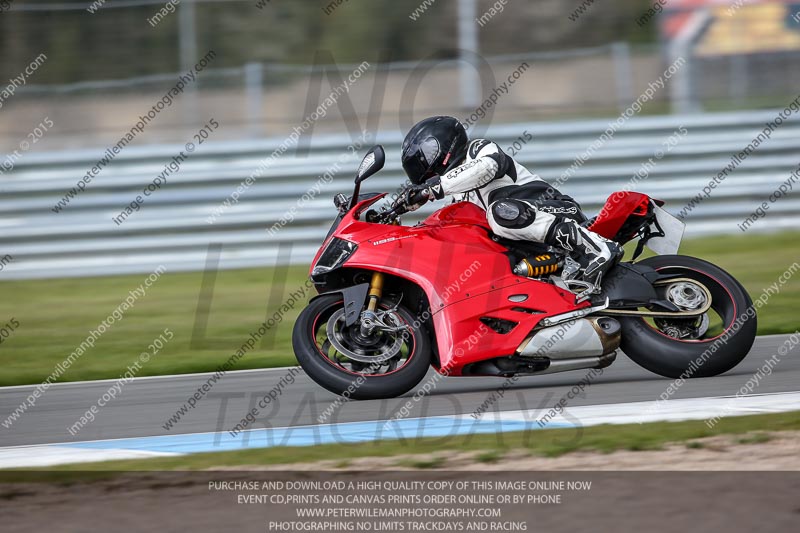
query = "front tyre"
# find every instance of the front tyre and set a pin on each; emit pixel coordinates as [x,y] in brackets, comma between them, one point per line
[387,365]
[687,347]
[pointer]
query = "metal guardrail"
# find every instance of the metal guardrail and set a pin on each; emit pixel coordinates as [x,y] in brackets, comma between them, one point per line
[172,228]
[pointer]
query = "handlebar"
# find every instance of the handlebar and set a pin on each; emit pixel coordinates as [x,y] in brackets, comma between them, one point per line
[396,211]
[384,217]
[387,217]
[399,207]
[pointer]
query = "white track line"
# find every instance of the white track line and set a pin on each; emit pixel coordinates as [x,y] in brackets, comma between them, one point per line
[147,378]
[660,411]
[40,456]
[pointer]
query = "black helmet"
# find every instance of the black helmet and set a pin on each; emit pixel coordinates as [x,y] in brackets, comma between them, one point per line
[432,147]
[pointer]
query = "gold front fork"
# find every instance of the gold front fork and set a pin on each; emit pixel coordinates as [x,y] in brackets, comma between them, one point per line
[375,290]
[376,284]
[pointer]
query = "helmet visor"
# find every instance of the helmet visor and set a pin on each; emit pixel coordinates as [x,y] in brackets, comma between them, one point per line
[420,161]
[417,170]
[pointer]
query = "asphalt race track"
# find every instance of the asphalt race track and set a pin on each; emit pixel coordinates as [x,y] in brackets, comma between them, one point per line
[145,404]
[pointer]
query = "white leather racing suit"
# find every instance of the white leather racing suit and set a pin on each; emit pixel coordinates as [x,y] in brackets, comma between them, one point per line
[521,206]
[489,176]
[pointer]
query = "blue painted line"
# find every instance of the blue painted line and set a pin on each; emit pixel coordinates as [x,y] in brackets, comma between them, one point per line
[313,435]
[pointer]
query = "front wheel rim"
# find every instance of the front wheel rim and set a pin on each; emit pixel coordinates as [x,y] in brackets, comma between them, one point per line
[325,349]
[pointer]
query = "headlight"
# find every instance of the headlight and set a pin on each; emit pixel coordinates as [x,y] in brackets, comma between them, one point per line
[334,256]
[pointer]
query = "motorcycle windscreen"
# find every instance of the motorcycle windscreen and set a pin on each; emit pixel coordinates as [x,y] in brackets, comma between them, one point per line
[673,230]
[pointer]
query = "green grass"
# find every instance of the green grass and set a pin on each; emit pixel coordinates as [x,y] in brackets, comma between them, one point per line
[546,443]
[55,316]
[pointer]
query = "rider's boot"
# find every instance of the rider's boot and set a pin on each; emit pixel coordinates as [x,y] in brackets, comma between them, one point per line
[594,254]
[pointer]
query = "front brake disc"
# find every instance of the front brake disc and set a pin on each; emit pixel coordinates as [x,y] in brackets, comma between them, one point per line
[340,338]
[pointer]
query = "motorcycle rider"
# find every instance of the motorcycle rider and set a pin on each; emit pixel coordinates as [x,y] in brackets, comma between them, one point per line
[439,161]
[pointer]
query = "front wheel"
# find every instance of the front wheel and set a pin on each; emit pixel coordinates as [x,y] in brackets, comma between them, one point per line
[704,346]
[348,362]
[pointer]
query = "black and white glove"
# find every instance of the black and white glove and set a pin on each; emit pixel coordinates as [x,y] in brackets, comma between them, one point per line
[418,195]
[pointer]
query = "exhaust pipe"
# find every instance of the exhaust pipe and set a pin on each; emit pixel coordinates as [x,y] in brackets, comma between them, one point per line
[577,339]
[578,344]
[517,366]
[578,363]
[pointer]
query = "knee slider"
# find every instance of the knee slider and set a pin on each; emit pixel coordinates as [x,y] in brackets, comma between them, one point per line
[514,214]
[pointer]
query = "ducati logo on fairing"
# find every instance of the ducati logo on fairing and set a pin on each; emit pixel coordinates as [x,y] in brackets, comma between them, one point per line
[390,239]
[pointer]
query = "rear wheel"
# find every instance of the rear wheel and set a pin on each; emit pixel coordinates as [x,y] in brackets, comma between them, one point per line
[704,346]
[362,366]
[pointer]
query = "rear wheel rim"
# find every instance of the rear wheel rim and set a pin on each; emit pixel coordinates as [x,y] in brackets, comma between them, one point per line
[723,306]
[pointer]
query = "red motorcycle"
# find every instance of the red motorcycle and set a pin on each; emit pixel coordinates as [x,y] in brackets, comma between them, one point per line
[447,293]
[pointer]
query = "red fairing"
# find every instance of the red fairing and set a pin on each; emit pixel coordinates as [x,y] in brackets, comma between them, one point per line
[465,275]
[462,337]
[616,211]
[458,213]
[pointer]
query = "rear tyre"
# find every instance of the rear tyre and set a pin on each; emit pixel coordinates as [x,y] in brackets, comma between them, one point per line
[359,380]
[656,346]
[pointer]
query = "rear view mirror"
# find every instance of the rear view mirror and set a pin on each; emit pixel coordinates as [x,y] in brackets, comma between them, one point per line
[372,163]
